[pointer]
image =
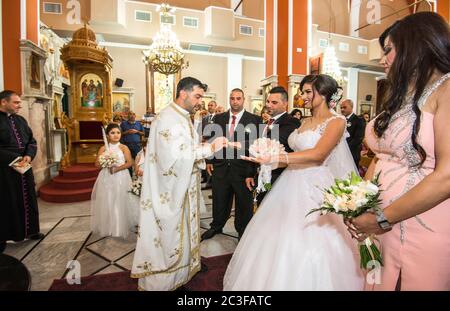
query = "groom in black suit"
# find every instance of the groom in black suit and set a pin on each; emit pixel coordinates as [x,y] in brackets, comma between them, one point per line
[279,127]
[227,168]
[356,127]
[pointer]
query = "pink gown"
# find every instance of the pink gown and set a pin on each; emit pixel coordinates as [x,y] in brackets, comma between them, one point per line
[417,249]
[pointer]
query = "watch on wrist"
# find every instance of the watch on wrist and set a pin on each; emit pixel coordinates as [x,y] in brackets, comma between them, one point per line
[383,222]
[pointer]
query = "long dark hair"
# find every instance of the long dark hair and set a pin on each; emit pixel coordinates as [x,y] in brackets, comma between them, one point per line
[112,126]
[422,45]
[325,85]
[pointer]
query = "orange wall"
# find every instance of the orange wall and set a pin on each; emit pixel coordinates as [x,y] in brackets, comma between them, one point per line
[11,51]
[283,42]
[443,8]
[269,38]
[32,21]
[300,37]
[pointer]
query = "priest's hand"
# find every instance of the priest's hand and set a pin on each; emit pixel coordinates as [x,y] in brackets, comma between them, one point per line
[209,169]
[26,160]
[270,160]
[219,143]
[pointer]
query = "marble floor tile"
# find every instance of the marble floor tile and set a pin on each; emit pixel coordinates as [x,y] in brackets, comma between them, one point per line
[127,261]
[218,245]
[20,249]
[48,261]
[229,227]
[112,248]
[110,269]
[90,263]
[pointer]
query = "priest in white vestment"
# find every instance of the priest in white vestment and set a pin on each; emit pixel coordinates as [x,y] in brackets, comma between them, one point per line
[167,253]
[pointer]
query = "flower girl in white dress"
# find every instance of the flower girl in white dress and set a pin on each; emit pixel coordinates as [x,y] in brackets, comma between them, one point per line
[110,198]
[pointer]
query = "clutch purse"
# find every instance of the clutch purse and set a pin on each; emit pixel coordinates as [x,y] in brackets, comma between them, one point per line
[20,169]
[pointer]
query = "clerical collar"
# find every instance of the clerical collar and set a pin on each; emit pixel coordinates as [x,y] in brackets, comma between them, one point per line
[180,109]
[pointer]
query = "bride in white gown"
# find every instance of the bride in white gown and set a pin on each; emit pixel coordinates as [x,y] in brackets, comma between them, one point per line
[281,248]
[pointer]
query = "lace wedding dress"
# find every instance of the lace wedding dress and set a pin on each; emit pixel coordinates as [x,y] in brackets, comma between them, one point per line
[281,248]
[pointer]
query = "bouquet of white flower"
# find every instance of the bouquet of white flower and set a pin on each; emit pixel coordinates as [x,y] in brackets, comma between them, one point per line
[352,197]
[136,187]
[263,148]
[108,159]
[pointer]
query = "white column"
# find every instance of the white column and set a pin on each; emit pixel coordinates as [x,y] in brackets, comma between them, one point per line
[23,19]
[2,85]
[352,86]
[355,12]
[234,73]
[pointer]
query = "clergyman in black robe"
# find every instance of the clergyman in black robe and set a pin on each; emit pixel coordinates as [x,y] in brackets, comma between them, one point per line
[19,217]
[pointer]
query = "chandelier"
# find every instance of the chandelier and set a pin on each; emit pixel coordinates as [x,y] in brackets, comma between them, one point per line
[331,64]
[165,54]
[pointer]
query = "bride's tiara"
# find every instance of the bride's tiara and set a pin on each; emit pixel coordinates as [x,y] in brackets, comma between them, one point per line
[336,97]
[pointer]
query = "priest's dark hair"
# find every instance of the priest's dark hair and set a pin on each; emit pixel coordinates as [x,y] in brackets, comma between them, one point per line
[325,85]
[112,126]
[188,84]
[280,90]
[422,47]
[6,94]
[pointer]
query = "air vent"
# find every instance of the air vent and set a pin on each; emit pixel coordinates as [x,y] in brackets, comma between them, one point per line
[199,47]
[52,8]
[168,19]
[323,43]
[190,22]
[261,32]
[143,16]
[246,30]
[362,49]
[344,47]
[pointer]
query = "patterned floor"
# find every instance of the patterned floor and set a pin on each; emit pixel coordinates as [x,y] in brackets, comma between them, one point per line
[68,237]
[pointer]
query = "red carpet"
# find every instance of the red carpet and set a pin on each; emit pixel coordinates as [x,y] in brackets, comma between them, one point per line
[73,184]
[210,280]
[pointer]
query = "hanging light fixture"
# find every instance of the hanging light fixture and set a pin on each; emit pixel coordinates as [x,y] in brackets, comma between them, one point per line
[331,64]
[165,54]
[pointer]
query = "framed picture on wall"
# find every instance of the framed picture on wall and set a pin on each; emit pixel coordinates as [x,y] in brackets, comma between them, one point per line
[121,102]
[257,104]
[365,107]
[315,64]
[207,98]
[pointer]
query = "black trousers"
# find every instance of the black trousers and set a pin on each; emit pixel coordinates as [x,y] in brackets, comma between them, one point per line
[260,196]
[224,189]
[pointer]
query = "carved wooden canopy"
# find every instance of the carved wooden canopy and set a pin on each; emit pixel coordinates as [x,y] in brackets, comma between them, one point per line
[84,48]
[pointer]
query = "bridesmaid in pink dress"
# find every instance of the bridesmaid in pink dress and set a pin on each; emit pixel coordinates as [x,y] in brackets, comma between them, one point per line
[411,140]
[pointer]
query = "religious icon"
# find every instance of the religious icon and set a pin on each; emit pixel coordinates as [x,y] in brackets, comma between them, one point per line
[35,80]
[121,102]
[298,101]
[91,91]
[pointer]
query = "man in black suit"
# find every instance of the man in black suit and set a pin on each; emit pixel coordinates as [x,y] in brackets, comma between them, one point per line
[208,119]
[355,127]
[212,105]
[279,127]
[228,170]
